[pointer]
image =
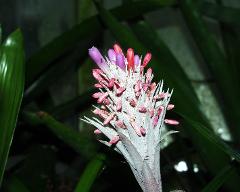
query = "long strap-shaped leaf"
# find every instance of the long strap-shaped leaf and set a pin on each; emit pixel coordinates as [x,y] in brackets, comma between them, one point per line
[90,173]
[219,180]
[11,91]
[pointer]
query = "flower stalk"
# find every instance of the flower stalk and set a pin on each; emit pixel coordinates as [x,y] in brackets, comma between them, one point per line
[131,112]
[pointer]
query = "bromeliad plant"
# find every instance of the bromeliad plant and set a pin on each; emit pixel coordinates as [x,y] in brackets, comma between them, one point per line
[132,109]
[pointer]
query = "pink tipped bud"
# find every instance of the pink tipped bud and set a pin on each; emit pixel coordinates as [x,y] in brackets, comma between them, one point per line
[120,124]
[112,55]
[138,86]
[104,83]
[138,94]
[108,119]
[96,111]
[153,86]
[136,60]
[106,102]
[145,86]
[117,48]
[137,129]
[151,112]
[103,114]
[161,96]
[98,58]
[119,105]
[97,131]
[111,82]
[142,109]
[160,109]
[98,85]
[102,98]
[143,131]
[170,106]
[149,74]
[133,102]
[155,121]
[171,122]
[103,107]
[114,140]
[146,59]
[120,61]
[97,95]
[119,91]
[97,74]
[130,58]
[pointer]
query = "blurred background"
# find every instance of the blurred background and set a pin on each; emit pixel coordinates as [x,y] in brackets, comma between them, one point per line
[195,47]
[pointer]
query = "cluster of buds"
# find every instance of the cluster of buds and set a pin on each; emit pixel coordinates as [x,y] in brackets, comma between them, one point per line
[131,112]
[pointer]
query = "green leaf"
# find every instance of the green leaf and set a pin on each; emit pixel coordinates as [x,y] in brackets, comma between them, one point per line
[209,135]
[71,137]
[0,34]
[221,13]
[11,89]
[15,185]
[90,173]
[217,63]
[39,62]
[220,179]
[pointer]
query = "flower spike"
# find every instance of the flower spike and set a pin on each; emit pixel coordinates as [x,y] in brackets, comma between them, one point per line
[131,112]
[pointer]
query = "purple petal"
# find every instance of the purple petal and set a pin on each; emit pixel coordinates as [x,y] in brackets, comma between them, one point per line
[112,55]
[98,58]
[136,60]
[120,61]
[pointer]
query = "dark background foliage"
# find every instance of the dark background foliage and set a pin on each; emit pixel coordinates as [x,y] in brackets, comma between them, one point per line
[46,86]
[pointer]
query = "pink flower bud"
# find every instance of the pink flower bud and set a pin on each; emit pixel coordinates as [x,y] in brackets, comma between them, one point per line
[97,95]
[120,124]
[171,122]
[119,105]
[117,48]
[146,59]
[97,85]
[103,96]
[97,131]
[142,109]
[170,106]
[111,83]
[119,91]
[114,140]
[108,119]
[130,58]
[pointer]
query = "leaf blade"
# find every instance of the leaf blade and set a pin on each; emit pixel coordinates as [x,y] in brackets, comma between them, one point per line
[219,180]
[90,173]
[11,88]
